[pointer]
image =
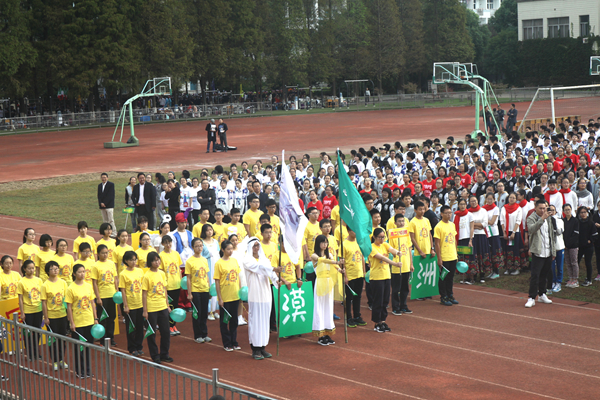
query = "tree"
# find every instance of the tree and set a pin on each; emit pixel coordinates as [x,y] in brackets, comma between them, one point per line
[411,20]
[480,35]
[505,17]
[354,42]
[501,54]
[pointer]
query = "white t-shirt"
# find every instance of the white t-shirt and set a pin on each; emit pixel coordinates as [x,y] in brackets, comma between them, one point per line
[464,227]
[194,195]
[493,227]
[142,200]
[185,197]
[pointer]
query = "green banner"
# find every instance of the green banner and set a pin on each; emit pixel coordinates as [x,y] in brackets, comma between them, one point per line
[296,309]
[424,281]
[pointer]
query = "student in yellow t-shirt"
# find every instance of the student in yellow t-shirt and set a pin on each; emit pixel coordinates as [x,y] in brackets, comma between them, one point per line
[65,261]
[121,247]
[354,264]
[252,216]
[53,295]
[291,273]
[234,227]
[204,216]
[401,276]
[28,249]
[445,247]
[196,270]
[380,278]
[106,284]
[143,251]
[266,219]
[82,316]
[83,237]
[29,290]
[420,232]
[156,309]
[274,219]
[219,227]
[270,249]
[170,264]
[106,232]
[227,283]
[86,259]
[130,284]
[311,232]
[8,279]
[43,256]
[335,218]
[336,232]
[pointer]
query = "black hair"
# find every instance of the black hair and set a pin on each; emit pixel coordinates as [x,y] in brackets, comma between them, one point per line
[324,221]
[25,234]
[129,255]
[151,257]
[377,232]
[398,216]
[4,258]
[264,227]
[76,268]
[44,238]
[117,241]
[196,240]
[265,217]
[320,239]
[205,227]
[166,239]
[49,265]
[58,244]
[25,264]
[101,247]
[224,246]
[418,204]
[81,225]
[234,211]
[103,228]
[84,246]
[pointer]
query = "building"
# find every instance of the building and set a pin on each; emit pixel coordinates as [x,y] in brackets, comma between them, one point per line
[484,8]
[558,18]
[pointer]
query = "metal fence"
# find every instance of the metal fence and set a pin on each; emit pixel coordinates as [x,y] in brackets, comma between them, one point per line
[31,362]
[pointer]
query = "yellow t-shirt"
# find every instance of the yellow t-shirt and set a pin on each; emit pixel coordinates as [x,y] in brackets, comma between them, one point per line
[118,254]
[422,230]
[31,290]
[54,294]
[155,283]
[238,229]
[274,238]
[105,273]
[88,264]
[289,268]
[198,229]
[220,232]
[65,266]
[333,246]
[373,230]
[41,259]
[379,270]
[251,218]
[353,260]
[228,275]
[310,235]
[27,252]
[275,223]
[143,257]
[81,298]
[8,284]
[446,233]
[272,253]
[131,282]
[391,224]
[170,264]
[336,234]
[110,243]
[335,215]
[197,268]
[88,239]
[405,245]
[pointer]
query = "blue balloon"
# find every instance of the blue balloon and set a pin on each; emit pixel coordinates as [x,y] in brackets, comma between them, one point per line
[462,267]
[243,293]
[118,298]
[309,268]
[184,283]
[98,331]
[213,290]
[368,276]
[178,315]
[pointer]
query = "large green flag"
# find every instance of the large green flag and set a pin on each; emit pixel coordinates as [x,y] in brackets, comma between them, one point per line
[353,210]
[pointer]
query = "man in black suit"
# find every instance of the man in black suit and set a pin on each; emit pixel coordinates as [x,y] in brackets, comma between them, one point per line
[207,199]
[106,201]
[262,196]
[143,196]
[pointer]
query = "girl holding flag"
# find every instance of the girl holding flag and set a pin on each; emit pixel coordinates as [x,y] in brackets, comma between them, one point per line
[55,315]
[197,271]
[29,290]
[106,283]
[130,284]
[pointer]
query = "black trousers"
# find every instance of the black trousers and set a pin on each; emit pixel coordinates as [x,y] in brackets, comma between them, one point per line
[108,323]
[447,283]
[312,277]
[200,300]
[32,339]
[223,139]
[353,302]
[404,289]
[172,222]
[58,326]
[82,357]
[173,294]
[229,331]
[588,252]
[368,289]
[143,211]
[160,318]
[539,274]
[381,298]
[135,339]
[396,284]
[598,258]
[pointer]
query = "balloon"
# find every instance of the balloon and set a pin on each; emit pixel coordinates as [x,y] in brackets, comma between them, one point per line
[462,267]
[184,283]
[178,315]
[243,293]
[213,290]
[309,268]
[368,276]
[118,298]
[98,331]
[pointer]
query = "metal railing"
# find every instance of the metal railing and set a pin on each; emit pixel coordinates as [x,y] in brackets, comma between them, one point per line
[35,371]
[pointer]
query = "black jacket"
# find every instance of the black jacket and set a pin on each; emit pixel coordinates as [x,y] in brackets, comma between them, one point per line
[210,134]
[571,234]
[149,195]
[173,198]
[207,199]
[107,196]
[588,233]
[263,198]
[223,126]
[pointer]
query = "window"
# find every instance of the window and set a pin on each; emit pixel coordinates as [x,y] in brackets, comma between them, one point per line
[533,29]
[474,4]
[490,4]
[558,27]
[584,25]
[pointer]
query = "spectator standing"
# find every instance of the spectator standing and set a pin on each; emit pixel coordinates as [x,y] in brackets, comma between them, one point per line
[512,118]
[223,134]
[106,201]
[143,196]
[211,135]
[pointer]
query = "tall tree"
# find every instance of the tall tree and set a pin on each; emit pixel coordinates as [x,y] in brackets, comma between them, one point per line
[505,17]
[480,35]
[354,43]
[411,20]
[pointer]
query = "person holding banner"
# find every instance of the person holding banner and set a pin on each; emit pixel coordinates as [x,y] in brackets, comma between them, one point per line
[380,277]
[445,247]
[130,284]
[29,290]
[55,315]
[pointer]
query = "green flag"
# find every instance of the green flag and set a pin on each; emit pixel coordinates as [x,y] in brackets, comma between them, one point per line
[131,328]
[226,317]
[352,291]
[194,312]
[149,331]
[353,211]
[104,315]
[81,338]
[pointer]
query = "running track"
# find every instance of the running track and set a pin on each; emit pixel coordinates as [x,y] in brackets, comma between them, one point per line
[488,347]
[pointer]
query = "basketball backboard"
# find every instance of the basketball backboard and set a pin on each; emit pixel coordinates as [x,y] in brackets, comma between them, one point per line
[161,86]
[448,72]
[595,65]
[471,69]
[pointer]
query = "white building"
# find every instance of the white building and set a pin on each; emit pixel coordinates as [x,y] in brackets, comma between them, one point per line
[484,8]
[558,18]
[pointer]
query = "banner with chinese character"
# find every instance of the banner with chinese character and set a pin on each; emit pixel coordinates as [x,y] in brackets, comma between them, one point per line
[296,307]
[424,280]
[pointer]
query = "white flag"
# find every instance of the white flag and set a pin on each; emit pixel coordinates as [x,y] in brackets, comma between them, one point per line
[292,218]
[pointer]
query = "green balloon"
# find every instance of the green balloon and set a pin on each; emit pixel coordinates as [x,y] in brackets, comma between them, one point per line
[309,268]
[243,293]
[98,331]
[368,276]
[462,267]
[184,282]
[213,290]
[118,298]
[178,315]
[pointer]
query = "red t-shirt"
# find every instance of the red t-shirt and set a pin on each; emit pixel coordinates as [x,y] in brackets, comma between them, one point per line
[409,186]
[558,164]
[328,204]
[575,158]
[465,180]
[394,186]
[319,206]
[428,187]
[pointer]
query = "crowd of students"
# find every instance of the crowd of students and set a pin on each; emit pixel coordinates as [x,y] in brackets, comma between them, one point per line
[470,200]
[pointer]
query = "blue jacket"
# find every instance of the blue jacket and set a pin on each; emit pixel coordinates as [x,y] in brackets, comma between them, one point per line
[179,242]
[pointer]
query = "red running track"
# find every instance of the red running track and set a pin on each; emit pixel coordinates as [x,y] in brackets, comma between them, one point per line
[488,347]
[182,145]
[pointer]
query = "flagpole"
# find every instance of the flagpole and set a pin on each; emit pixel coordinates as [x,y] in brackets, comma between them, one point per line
[344,267]
[280,239]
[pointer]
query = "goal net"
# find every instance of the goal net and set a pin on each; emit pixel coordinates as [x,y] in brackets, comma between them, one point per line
[554,105]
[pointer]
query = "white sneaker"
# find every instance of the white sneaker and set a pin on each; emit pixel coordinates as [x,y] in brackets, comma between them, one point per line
[557,288]
[217,316]
[530,303]
[241,321]
[544,299]
[211,317]
[515,273]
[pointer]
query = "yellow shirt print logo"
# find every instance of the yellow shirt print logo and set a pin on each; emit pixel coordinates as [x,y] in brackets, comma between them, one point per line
[201,273]
[57,299]
[84,303]
[232,276]
[108,277]
[65,271]
[424,233]
[449,239]
[173,270]
[136,287]
[159,289]
[357,256]
[34,295]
